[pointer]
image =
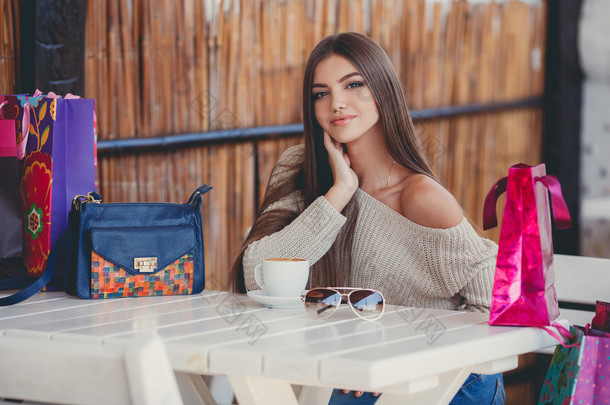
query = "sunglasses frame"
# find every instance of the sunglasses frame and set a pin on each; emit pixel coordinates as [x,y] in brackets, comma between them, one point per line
[347,295]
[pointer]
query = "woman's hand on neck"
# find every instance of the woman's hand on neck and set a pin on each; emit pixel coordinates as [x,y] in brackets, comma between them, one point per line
[346,180]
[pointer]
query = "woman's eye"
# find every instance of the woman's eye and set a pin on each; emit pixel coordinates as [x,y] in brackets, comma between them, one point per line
[353,85]
[319,95]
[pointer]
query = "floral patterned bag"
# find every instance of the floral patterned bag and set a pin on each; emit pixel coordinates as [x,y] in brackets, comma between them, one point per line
[59,162]
[578,373]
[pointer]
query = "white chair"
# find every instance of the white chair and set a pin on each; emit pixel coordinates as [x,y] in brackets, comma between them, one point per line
[86,372]
[579,282]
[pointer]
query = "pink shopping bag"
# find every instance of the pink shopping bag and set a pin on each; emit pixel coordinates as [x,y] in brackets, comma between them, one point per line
[524,292]
[11,240]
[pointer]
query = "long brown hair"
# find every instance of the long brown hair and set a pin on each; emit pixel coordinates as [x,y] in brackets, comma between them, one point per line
[314,176]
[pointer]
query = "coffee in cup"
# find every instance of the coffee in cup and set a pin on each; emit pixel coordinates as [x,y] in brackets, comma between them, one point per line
[282,276]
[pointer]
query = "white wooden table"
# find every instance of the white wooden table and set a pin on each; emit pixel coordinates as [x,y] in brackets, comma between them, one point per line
[421,354]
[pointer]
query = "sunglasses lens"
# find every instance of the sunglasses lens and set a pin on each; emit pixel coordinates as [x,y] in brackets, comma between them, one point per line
[368,304]
[321,303]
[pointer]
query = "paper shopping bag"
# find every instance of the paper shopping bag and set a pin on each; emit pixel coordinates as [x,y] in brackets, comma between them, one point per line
[59,164]
[524,292]
[11,241]
[579,374]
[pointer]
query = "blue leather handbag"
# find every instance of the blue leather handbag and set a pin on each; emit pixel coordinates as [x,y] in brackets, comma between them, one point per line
[114,250]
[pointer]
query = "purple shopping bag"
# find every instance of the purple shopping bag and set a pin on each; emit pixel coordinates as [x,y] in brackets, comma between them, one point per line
[59,164]
[524,292]
[578,374]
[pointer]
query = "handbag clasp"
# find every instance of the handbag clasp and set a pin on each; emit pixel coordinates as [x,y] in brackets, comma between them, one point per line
[76,201]
[145,264]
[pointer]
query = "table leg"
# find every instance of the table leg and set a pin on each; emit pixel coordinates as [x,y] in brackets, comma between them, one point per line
[315,395]
[194,390]
[262,391]
[448,386]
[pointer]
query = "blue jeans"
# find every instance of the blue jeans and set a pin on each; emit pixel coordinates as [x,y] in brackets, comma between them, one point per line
[479,389]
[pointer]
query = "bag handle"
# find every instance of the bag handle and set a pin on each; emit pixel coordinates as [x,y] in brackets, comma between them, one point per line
[68,96]
[38,284]
[561,214]
[195,199]
[490,219]
[563,332]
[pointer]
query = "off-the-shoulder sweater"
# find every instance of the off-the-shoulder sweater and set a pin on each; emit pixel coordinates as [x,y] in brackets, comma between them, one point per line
[410,264]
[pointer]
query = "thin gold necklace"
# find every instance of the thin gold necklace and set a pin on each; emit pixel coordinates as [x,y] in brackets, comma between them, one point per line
[389,179]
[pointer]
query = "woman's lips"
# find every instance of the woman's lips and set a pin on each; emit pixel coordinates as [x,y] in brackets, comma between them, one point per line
[342,120]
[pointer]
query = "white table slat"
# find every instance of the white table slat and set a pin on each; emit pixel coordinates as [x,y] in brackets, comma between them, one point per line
[409,352]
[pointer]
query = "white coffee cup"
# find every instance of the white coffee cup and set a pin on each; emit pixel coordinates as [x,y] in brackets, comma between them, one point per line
[282,276]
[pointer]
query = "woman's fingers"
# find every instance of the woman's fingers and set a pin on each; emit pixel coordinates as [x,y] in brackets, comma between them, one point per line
[334,148]
[345,180]
[340,163]
[358,394]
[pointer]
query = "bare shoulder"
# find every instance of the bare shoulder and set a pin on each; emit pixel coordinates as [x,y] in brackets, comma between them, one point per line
[427,203]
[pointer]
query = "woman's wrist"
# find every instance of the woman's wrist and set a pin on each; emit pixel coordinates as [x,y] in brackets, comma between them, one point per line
[338,196]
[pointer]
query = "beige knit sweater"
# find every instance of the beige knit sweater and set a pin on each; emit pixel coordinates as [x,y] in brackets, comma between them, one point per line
[410,264]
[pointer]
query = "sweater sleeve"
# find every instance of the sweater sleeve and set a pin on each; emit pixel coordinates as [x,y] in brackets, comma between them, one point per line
[309,236]
[462,263]
[476,294]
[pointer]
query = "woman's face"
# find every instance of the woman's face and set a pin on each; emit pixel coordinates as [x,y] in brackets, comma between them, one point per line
[343,103]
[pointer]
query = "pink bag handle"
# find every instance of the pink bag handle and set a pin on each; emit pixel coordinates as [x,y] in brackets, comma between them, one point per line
[25,131]
[560,208]
[68,96]
[490,219]
[25,128]
[25,121]
[563,332]
[561,214]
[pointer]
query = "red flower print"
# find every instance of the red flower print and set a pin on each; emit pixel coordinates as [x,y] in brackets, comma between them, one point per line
[36,189]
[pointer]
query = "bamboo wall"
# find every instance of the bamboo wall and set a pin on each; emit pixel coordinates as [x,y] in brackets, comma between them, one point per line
[163,67]
[9,46]
[160,67]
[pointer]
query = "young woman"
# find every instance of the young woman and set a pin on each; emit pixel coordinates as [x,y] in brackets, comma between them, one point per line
[360,201]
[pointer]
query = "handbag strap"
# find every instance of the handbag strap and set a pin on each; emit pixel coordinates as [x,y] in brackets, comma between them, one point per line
[39,283]
[195,199]
[561,214]
[490,219]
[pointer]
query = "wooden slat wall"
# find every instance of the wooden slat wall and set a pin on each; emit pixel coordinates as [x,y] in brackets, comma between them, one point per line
[161,67]
[9,46]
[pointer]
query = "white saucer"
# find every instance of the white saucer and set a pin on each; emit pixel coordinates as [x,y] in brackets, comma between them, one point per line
[275,302]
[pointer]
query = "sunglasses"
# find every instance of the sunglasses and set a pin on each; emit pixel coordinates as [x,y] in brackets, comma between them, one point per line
[321,303]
